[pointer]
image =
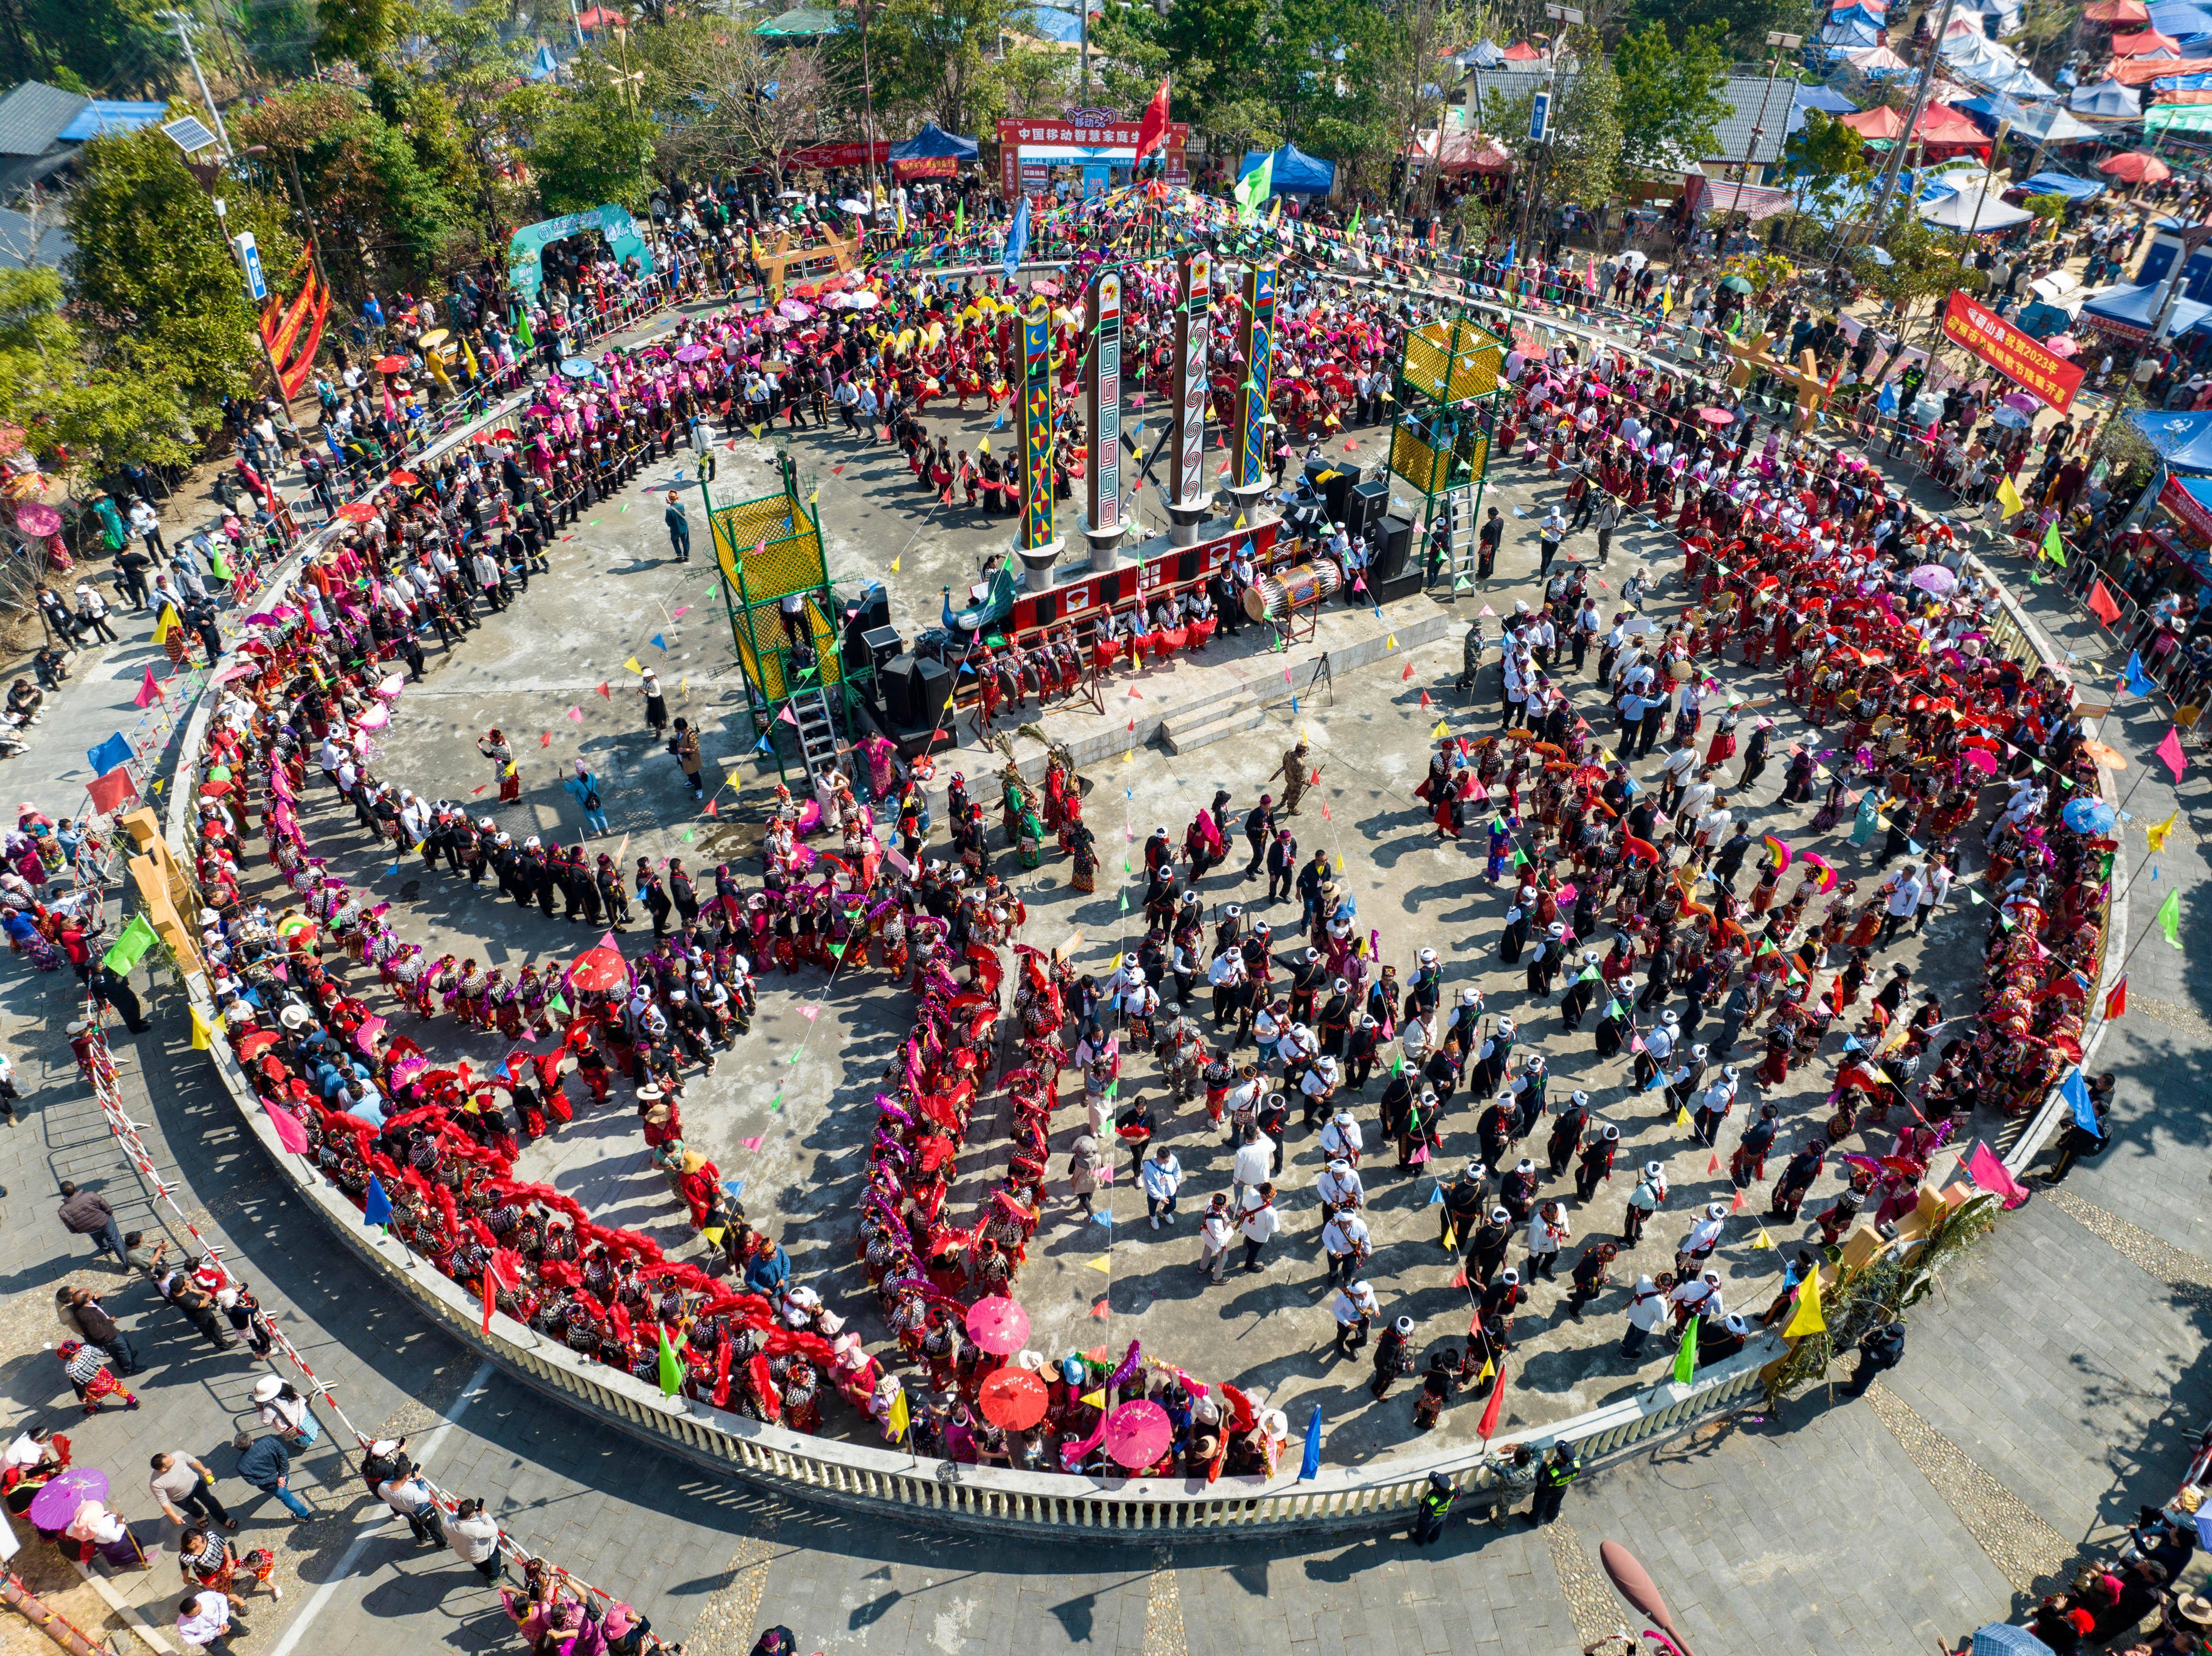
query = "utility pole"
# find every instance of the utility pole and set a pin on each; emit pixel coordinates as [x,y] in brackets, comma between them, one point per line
[183,24]
[1781,43]
[1911,121]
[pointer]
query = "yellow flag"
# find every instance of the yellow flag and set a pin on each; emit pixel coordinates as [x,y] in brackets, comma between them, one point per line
[1096,1399]
[1390,642]
[814,496]
[757,431]
[1104,1263]
[1440,733]
[735,777]
[1239,523]
[509,771]
[2156,833]
[983,448]
[895,1420]
[632,663]
[1682,1118]
[1762,1239]
[166,624]
[1116,965]
[1809,1319]
[201,1030]
[2008,497]
[1451,1237]
[1489,1367]
[895,563]
[1339,862]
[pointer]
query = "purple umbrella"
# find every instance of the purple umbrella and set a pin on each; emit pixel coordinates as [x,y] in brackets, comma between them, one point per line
[693,354]
[59,1497]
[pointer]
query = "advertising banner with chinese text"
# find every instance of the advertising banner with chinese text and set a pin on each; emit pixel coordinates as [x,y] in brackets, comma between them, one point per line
[2017,357]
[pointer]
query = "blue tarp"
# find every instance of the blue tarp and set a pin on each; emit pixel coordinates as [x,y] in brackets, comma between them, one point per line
[1295,174]
[1850,37]
[1827,99]
[1854,14]
[2062,184]
[2182,440]
[2181,83]
[1050,23]
[933,142]
[2179,19]
[2045,123]
[106,117]
[1486,54]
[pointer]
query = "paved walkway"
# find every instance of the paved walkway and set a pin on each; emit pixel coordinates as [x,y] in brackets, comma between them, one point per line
[2052,1386]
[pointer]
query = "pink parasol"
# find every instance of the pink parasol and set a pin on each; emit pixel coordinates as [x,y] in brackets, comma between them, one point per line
[36,518]
[998,1325]
[694,354]
[1985,763]
[794,310]
[1137,1432]
[59,1497]
[1716,416]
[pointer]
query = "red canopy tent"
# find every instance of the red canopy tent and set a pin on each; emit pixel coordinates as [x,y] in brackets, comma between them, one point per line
[2143,45]
[2136,167]
[2117,13]
[1521,52]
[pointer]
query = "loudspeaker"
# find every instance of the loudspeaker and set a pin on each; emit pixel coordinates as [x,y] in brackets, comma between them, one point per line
[1370,502]
[873,610]
[932,692]
[899,682]
[1337,491]
[1394,541]
[869,648]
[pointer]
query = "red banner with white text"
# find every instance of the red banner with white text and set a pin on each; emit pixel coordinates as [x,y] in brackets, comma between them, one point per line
[2019,357]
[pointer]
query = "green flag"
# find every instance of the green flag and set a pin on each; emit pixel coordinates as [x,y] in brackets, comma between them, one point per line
[672,1368]
[2169,917]
[129,949]
[960,217]
[1352,229]
[1686,1354]
[1255,187]
[522,336]
[2053,548]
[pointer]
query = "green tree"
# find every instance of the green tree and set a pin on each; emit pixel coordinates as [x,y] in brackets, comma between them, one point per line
[594,150]
[1583,159]
[1671,106]
[727,97]
[152,267]
[1924,262]
[941,60]
[117,48]
[82,418]
[1742,25]
[1825,160]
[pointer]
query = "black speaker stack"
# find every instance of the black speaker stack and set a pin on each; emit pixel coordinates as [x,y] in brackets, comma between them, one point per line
[1396,570]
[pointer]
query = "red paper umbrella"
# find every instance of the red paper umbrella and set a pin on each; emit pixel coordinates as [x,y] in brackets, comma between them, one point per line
[1013,1398]
[357,512]
[998,1325]
[251,1045]
[404,479]
[214,790]
[1137,1432]
[391,364]
[598,969]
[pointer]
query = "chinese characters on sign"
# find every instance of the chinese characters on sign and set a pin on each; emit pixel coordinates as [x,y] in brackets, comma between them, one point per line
[2016,355]
[1028,148]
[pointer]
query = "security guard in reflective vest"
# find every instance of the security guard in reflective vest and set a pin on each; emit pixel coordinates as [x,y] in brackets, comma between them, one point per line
[1436,1505]
[1551,1480]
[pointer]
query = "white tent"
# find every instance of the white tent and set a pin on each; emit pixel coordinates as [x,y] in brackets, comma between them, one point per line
[1986,63]
[1983,209]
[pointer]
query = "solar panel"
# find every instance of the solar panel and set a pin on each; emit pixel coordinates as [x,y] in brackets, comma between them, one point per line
[189,135]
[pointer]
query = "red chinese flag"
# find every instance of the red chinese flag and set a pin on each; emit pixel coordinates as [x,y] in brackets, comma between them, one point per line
[1495,1407]
[2116,1001]
[488,1300]
[1152,129]
[2102,604]
[1407,673]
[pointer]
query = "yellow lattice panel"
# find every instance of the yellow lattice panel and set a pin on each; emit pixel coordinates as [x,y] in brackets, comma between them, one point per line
[1428,359]
[1476,365]
[1413,460]
[739,528]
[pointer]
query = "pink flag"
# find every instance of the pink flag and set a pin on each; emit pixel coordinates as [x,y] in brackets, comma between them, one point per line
[2170,751]
[289,1132]
[149,692]
[576,713]
[787,716]
[1985,1170]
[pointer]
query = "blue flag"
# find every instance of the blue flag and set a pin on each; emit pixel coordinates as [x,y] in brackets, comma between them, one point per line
[2138,682]
[1510,246]
[2076,1092]
[1437,1194]
[109,754]
[1017,239]
[660,643]
[377,1209]
[1310,1466]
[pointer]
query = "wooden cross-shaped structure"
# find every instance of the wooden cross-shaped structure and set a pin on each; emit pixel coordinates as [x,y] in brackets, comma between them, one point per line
[1753,358]
[775,260]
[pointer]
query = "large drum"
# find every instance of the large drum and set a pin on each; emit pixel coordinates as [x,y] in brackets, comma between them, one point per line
[1272,598]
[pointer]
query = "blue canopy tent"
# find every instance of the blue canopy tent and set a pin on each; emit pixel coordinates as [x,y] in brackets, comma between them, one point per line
[1855,13]
[2107,101]
[1850,37]
[1827,100]
[2129,312]
[2182,440]
[2061,184]
[2179,19]
[2043,123]
[2181,83]
[1484,54]
[1295,174]
[933,144]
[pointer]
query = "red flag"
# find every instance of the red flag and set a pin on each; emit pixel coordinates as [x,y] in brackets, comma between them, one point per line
[2116,1001]
[1425,699]
[711,811]
[1736,1206]
[1496,1406]
[2101,604]
[1408,673]
[544,738]
[488,1300]
[111,789]
[604,691]
[1152,128]
[1714,1166]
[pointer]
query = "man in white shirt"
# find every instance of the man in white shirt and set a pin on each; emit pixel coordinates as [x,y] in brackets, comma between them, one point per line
[1345,1239]
[1254,1163]
[1696,1296]
[203,1619]
[1339,1187]
[1217,1229]
[1163,1177]
[1341,1140]
[1355,1308]
[1258,1220]
[1906,889]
